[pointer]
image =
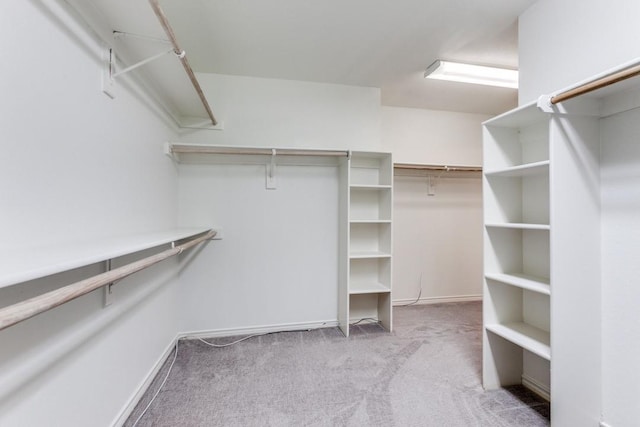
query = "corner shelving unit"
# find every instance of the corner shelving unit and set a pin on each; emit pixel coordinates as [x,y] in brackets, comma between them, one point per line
[517,286]
[367,200]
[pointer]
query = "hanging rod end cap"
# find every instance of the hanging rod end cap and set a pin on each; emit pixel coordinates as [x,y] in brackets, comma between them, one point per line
[181,54]
[544,103]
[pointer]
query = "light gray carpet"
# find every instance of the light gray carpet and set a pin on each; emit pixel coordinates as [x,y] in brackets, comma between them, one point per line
[426,373]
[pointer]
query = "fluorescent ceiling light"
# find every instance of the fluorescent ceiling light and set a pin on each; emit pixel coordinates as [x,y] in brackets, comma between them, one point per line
[477,74]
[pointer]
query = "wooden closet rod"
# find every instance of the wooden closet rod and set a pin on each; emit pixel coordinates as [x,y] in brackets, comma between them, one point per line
[596,84]
[24,310]
[203,149]
[414,166]
[183,58]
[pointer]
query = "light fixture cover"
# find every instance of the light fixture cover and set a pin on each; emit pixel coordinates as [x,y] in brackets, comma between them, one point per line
[468,73]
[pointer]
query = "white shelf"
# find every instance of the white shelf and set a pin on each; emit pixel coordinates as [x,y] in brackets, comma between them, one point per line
[365,287]
[370,221]
[519,117]
[519,226]
[20,266]
[370,187]
[368,254]
[526,336]
[524,281]
[536,168]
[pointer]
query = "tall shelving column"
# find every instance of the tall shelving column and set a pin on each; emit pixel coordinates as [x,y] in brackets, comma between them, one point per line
[517,286]
[365,291]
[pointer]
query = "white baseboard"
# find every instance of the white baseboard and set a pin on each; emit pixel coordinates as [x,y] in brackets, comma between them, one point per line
[213,333]
[537,387]
[437,300]
[142,388]
[135,398]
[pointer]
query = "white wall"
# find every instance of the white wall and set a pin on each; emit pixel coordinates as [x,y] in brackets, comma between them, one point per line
[285,113]
[564,42]
[77,165]
[437,238]
[277,264]
[561,43]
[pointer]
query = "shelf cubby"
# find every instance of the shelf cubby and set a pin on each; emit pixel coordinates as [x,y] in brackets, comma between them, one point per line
[370,240]
[370,204]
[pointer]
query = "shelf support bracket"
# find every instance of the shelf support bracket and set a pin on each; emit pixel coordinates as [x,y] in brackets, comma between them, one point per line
[139,64]
[271,172]
[109,72]
[107,291]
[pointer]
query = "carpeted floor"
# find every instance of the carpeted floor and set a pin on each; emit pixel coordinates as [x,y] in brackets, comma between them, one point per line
[426,373]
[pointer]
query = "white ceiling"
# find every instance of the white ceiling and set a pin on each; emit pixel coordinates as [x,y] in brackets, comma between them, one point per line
[377,43]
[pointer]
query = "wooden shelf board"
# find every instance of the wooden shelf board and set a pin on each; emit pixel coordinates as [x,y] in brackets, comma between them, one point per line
[524,281]
[367,287]
[517,225]
[526,336]
[369,254]
[33,263]
[537,168]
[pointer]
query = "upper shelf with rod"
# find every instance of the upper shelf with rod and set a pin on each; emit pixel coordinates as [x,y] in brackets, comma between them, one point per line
[161,67]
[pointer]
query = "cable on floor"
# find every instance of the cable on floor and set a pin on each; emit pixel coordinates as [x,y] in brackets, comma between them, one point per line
[175,356]
[370,319]
[417,299]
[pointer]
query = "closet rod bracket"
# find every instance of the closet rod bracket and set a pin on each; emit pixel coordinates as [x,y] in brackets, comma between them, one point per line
[271,172]
[544,104]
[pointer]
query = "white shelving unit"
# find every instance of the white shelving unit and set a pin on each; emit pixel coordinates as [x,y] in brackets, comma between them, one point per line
[542,257]
[517,286]
[366,243]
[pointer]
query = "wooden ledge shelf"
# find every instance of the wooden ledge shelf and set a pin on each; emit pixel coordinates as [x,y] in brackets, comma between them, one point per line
[34,263]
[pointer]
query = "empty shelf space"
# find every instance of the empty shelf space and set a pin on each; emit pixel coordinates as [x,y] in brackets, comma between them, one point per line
[524,281]
[367,287]
[523,335]
[521,226]
[37,262]
[536,168]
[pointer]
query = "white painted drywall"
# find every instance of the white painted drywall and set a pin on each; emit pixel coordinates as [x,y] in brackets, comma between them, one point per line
[77,165]
[284,113]
[564,42]
[437,239]
[561,43]
[278,261]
